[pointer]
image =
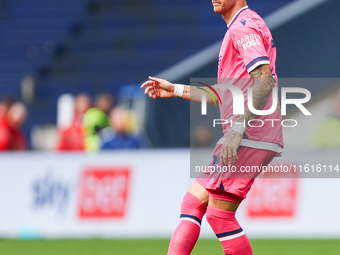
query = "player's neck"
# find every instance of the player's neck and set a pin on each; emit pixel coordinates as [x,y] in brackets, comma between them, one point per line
[230,14]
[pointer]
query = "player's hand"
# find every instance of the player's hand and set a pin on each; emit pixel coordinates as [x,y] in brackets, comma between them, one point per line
[156,87]
[229,149]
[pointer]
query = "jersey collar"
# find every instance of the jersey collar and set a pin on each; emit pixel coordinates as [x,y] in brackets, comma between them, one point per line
[236,15]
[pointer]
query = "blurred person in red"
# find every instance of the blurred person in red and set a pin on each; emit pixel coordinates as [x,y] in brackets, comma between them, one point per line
[72,138]
[5,104]
[11,136]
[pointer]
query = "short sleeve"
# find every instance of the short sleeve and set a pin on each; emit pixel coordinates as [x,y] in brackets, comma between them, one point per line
[249,44]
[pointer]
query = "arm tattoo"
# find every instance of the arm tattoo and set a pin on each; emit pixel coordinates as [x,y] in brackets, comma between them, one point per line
[256,73]
[231,137]
[262,88]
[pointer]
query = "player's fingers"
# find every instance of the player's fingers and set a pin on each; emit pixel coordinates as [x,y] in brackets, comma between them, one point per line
[230,156]
[221,157]
[235,155]
[148,89]
[146,92]
[155,79]
[147,86]
[224,160]
[151,93]
[151,90]
[154,95]
[147,83]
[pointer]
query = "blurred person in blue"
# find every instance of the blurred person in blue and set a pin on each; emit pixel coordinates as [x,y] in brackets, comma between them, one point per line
[117,136]
[202,137]
[96,119]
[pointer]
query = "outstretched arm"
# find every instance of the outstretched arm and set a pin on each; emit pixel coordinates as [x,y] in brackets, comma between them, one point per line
[262,88]
[160,88]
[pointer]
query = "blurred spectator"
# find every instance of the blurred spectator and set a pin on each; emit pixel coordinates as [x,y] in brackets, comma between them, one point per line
[96,119]
[104,102]
[72,138]
[202,137]
[328,133]
[117,136]
[5,104]
[11,136]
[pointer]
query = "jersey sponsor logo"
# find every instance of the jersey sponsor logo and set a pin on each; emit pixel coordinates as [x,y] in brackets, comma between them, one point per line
[103,193]
[243,22]
[249,41]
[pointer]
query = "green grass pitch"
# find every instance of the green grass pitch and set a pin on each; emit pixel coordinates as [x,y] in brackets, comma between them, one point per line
[154,246]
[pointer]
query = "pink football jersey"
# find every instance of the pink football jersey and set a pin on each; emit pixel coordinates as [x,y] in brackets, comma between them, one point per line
[247,44]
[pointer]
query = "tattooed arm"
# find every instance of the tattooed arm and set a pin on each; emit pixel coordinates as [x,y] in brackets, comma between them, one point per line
[262,88]
[161,88]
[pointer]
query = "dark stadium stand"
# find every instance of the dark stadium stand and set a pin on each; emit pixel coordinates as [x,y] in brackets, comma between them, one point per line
[30,33]
[306,48]
[71,46]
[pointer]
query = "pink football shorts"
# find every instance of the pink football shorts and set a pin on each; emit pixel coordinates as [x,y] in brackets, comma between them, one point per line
[233,184]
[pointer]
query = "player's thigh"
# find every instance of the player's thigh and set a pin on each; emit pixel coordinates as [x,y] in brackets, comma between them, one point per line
[223,204]
[200,192]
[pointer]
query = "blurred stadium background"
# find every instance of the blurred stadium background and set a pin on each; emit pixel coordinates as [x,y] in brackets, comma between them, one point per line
[51,51]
